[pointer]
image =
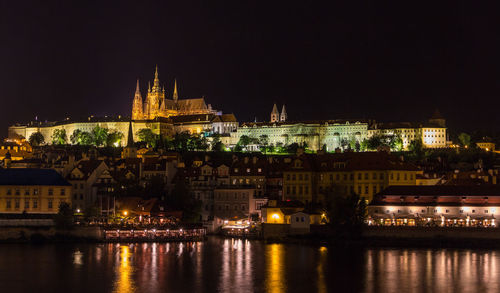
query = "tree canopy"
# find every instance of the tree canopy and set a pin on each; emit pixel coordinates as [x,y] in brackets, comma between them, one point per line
[36,139]
[59,136]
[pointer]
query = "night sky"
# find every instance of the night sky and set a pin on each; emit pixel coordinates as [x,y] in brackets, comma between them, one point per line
[372,60]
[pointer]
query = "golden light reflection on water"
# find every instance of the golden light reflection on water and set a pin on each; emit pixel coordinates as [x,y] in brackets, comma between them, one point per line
[320,268]
[124,282]
[275,272]
[431,271]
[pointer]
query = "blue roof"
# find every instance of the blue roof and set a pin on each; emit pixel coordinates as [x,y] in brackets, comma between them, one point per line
[28,176]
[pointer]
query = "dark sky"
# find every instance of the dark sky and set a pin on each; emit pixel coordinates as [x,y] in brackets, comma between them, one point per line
[375,60]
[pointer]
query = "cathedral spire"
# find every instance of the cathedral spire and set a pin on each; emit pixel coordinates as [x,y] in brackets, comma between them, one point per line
[137,90]
[176,94]
[137,106]
[156,82]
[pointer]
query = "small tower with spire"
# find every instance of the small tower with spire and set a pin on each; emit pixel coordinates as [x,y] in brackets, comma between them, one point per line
[283,115]
[137,111]
[130,151]
[275,115]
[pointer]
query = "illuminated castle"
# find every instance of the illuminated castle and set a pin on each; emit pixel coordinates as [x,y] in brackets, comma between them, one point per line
[158,105]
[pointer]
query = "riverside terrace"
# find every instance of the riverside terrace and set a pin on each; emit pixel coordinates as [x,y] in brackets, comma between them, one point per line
[438,205]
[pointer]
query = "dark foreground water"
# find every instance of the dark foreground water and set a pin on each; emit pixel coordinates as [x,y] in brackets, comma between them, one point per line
[224,265]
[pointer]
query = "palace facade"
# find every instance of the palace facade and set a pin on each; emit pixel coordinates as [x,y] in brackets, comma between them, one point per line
[340,134]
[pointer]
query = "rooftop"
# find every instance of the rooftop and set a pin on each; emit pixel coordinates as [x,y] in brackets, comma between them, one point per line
[21,176]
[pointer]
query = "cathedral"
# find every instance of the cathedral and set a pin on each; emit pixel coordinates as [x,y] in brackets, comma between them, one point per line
[157,104]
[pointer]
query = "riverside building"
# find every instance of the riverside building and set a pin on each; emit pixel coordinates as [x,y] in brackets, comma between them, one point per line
[32,191]
[438,205]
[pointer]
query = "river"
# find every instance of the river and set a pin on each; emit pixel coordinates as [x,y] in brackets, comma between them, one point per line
[226,265]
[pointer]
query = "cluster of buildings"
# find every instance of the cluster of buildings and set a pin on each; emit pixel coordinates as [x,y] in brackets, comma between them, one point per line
[167,116]
[230,187]
[236,189]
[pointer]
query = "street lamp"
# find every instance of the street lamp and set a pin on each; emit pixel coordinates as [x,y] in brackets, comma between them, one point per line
[125,213]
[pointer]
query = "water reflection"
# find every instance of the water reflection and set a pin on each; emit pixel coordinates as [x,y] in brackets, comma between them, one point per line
[399,270]
[230,265]
[124,282]
[236,272]
[275,271]
[322,263]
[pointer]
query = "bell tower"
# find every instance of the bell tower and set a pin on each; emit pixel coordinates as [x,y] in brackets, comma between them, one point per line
[283,115]
[155,97]
[275,115]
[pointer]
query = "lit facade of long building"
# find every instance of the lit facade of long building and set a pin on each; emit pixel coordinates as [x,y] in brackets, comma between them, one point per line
[341,134]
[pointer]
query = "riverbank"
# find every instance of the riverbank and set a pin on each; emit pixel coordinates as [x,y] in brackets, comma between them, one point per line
[397,237]
[49,234]
[402,237]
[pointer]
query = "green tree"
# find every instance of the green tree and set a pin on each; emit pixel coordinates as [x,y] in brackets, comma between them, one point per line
[396,143]
[168,143]
[146,135]
[217,144]
[363,147]
[86,138]
[36,139]
[114,138]
[64,217]
[292,148]
[416,147]
[244,141]
[464,139]
[75,136]
[352,143]
[59,136]
[181,141]
[374,142]
[81,138]
[263,142]
[100,135]
[200,143]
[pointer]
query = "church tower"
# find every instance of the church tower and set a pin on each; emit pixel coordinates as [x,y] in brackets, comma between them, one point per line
[130,151]
[137,112]
[283,115]
[155,97]
[275,115]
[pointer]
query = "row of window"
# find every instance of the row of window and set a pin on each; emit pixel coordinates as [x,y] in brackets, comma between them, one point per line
[259,170]
[28,203]
[435,211]
[301,189]
[299,177]
[34,191]
[366,176]
[236,195]
[235,207]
